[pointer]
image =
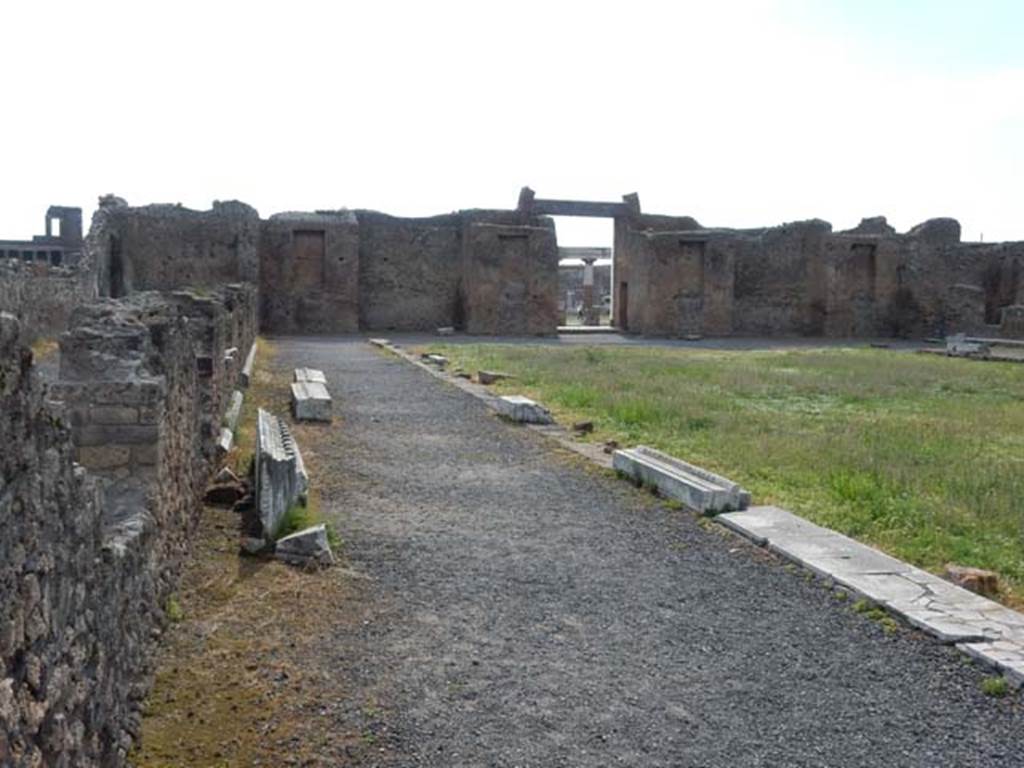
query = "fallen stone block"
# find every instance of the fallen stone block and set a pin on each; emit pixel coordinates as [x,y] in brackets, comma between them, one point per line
[489,377]
[439,360]
[310,374]
[234,410]
[306,547]
[523,410]
[225,475]
[676,479]
[245,378]
[379,342]
[976,580]
[281,479]
[311,401]
[446,330]
[225,441]
[959,346]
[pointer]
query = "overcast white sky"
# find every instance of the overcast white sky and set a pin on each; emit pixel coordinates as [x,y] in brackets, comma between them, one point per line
[737,113]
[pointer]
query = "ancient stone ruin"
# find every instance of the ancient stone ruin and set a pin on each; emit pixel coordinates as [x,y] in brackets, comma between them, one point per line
[107,451]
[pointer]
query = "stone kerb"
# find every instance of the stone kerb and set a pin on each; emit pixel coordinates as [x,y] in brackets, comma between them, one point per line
[980,627]
[281,480]
[674,478]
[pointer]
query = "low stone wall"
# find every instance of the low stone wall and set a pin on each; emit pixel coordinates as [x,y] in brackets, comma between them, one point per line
[42,297]
[92,551]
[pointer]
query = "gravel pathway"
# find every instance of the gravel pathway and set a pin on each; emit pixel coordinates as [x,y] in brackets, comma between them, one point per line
[524,609]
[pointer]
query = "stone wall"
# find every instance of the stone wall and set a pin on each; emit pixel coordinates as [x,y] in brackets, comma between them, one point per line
[42,297]
[341,271]
[92,551]
[309,273]
[409,272]
[510,279]
[802,279]
[165,247]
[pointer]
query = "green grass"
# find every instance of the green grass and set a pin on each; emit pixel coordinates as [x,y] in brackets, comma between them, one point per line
[922,456]
[995,686]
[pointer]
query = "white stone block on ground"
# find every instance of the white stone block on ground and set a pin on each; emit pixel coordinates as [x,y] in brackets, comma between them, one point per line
[234,410]
[225,440]
[523,410]
[245,379]
[310,374]
[982,627]
[308,546]
[439,360]
[281,479]
[311,401]
[676,479]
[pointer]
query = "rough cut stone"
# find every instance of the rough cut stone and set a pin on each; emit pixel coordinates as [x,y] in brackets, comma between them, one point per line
[446,330]
[311,401]
[694,486]
[310,374]
[308,546]
[979,581]
[489,377]
[523,409]
[281,479]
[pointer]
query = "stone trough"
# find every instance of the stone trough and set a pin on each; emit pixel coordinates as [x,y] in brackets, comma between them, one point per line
[310,399]
[676,479]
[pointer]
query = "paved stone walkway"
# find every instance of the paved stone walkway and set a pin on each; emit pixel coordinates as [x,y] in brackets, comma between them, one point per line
[524,609]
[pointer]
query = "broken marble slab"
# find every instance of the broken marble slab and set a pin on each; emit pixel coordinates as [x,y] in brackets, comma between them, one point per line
[311,401]
[522,410]
[234,410]
[676,479]
[959,346]
[281,479]
[245,378]
[225,441]
[309,546]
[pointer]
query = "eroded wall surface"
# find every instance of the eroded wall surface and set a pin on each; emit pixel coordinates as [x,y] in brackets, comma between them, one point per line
[42,297]
[309,273]
[164,247]
[92,550]
[676,278]
[510,279]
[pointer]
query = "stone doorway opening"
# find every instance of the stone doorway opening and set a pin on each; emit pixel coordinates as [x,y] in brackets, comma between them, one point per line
[585,272]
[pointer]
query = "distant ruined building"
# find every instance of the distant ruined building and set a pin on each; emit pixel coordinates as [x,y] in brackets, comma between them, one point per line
[496,271]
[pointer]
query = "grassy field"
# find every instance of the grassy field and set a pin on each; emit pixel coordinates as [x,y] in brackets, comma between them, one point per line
[921,456]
